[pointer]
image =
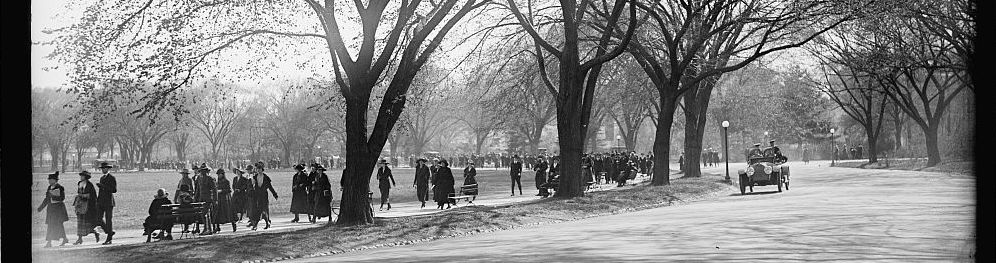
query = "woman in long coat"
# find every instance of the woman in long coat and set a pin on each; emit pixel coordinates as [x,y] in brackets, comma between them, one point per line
[260,208]
[323,194]
[442,185]
[470,178]
[240,194]
[55,214]
[85,204]
[299,194]
[223,212]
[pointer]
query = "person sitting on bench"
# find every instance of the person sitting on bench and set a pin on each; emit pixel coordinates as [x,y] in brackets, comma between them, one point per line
[157,220]
[470,178]
[185,199]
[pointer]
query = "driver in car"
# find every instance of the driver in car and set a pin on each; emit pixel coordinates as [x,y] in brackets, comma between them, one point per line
[778,152]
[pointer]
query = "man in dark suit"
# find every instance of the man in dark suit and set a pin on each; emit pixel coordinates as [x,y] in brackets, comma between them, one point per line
[516,173]
[105,199]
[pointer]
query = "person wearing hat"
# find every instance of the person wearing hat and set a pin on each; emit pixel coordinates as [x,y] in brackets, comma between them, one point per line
[155,222]
[386,180]
[442,183]
[205,191]
[322,188]
[299,194]
[55,211]
[470,178]
[108,185]
[85,204]
[259,198]
[223,211]
[755,152]
[240,194]
[540,169]
[184,180]
[778,152]
[515,172]
[312,175]
[421,183]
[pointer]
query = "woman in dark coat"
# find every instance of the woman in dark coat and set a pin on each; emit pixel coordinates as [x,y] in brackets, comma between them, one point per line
[85,205]
[240,186]
[421,183]
[154,222]
[260,199]
[299,194]
[470,178]
[55,214]
[442,183]
[385,180]
[223,212]
[323,194]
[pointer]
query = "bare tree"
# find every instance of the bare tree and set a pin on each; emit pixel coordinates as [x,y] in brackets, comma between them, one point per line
[216,118]
[577,78]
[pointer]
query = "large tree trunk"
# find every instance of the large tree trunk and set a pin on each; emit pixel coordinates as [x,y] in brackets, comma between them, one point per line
[933,151]
[360,161]
[662,142]
[569,123]
[696,104]
[54,151]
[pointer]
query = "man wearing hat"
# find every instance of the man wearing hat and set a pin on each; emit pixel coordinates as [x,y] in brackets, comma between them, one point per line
[516,173]
[205,191]
[778,152]
[383,174]
[421,183]
[108,185]
[754,152]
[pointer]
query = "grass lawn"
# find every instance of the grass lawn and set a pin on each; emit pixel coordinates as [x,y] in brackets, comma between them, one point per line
[331,239]
[136,189]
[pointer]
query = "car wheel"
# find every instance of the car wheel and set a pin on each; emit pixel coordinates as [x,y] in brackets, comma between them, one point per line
[779,183]
[743,184]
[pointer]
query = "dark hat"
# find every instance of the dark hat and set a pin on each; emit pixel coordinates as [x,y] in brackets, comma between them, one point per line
[249,167]
[384,161]
[220,171]
[757,145]
[185,171]
[771,141]
[319,167]
[421,160]
[54,176]
[299,167]
[105,165]
[85,174]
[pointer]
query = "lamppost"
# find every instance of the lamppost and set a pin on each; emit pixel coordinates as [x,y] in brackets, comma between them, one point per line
[833,148]
[726,149]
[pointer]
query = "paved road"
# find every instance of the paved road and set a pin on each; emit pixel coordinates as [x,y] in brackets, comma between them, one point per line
[830,214]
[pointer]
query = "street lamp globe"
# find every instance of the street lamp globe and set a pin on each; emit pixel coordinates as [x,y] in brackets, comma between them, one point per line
[726,124]
[831,130]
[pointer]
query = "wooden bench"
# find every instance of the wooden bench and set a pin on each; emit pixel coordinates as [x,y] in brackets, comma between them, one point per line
[590,185]
[186,215]
[467,193]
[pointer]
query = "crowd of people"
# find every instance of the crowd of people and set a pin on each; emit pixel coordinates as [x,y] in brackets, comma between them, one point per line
[842,152]
[246,195]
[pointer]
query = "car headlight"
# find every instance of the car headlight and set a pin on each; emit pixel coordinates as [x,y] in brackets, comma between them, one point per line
[767,170]
[750,170]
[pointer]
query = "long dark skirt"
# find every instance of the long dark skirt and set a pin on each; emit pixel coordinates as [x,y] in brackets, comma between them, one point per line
[239,202]
[441,194]
[323,205]
[56,232]
[84,226]
[299,202]
[385,195]
[222,212]
[422,192]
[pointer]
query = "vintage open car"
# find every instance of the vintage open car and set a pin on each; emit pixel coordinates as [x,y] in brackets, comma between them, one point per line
[764,167]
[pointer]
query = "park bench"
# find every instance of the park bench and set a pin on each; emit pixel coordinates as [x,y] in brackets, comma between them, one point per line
[590,185]
[467,193]
[551,186]
[186,214]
